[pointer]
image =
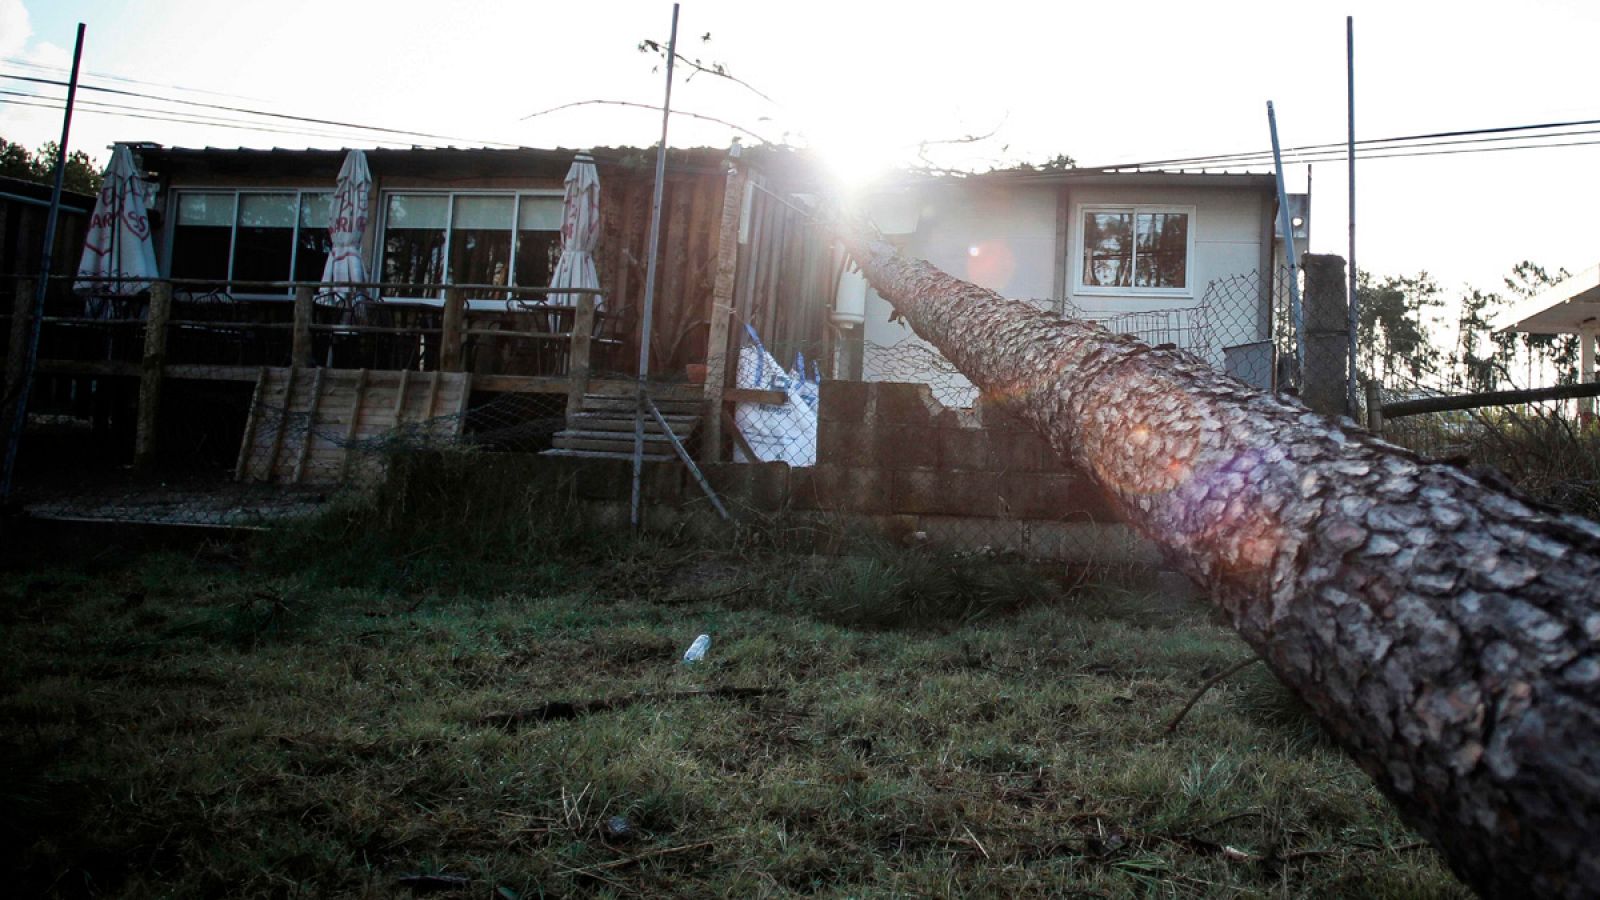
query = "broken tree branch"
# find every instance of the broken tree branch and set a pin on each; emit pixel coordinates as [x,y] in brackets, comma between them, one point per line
[630,103]
[1211,682]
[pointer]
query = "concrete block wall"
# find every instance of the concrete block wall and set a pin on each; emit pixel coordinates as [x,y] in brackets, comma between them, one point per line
[892,457]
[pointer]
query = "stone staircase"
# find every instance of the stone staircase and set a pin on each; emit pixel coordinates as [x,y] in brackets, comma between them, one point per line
[603,429]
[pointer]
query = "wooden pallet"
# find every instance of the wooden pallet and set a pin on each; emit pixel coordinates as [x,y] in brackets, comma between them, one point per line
[603,429]
[328,426]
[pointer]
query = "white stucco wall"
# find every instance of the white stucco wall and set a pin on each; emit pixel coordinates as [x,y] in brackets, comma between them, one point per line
[1003,237]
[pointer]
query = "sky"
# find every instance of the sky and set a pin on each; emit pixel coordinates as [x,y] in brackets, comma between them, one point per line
[865,84]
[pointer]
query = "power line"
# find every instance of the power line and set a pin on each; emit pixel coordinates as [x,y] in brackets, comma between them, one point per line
[1334,154]
[168,115]
[256,112]
[13,61]
[88,110]
[1252,155]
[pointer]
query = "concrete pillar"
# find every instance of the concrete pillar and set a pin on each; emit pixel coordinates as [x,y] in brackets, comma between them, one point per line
[1326,308]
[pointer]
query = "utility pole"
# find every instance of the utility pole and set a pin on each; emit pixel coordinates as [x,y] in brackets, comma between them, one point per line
[19,411]
[642,397]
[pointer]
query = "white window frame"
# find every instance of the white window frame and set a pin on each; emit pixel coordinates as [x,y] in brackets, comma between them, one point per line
[1077,287]
[516,194]
[233,231]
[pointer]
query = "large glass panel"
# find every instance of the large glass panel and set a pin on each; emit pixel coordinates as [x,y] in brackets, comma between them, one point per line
[202,236]
[537,254]
[1107,249]
[312,242]
[538,239]
[480,242]
[1163,250]
[540,212]
[264,244]
[413,239]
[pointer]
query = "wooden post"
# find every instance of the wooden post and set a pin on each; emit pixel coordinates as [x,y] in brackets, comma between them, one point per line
[300,350]
[455,305]
[1374,408]
[721,312]
[155,358]
[21,318]
[578,359]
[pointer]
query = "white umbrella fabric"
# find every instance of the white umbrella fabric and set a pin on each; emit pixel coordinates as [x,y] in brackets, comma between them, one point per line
[347,224]
[117,244]
[580,233]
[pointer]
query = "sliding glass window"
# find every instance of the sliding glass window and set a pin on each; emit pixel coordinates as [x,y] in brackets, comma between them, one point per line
[479,238]
[250,237]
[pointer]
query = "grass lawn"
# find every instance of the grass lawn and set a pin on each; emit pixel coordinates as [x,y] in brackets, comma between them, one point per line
[233,722]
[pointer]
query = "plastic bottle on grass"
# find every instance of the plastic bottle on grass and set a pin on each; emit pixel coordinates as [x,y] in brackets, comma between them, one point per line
[697,650]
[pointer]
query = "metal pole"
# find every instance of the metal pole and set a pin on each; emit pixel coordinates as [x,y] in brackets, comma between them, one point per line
[650,279]
[1287,227]
[1350,154]
[19,412]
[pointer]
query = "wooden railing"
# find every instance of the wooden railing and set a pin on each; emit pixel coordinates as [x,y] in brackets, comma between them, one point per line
[150,335]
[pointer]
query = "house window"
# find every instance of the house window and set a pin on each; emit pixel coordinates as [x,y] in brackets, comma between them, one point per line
[1134,249]
[470,238]
[251,236]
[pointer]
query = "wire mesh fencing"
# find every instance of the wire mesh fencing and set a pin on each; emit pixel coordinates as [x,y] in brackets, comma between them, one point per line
[245,439]
[246,453]
[1549,449]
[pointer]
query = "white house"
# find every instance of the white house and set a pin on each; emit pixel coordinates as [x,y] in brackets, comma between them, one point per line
[1174,257]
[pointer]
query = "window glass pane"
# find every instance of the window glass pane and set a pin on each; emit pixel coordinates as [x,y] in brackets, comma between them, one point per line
[266,210]
[1107,249]
[1163,250]
[203,236]
[483,213]
[480,242]
[314,210]
[413,256]
[262,254]
[540,213]
[537,253]
[413,239]
[418,211]
[205,209]
[312,244]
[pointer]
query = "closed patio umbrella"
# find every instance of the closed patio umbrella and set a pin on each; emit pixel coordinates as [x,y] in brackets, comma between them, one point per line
[117,244]
[347,224]
[580,232]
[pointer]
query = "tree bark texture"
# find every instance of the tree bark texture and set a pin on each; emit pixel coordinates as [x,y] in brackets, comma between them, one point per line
[1443,629]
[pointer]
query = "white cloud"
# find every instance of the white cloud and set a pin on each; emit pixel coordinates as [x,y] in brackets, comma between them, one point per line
[15,27]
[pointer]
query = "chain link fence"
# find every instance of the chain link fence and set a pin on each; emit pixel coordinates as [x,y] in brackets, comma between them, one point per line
[1549,449]
[245,441]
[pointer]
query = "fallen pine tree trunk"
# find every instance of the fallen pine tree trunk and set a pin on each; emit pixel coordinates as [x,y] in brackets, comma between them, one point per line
[1442,629]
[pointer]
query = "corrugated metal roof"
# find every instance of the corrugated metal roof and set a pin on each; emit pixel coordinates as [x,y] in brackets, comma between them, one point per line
[797,166]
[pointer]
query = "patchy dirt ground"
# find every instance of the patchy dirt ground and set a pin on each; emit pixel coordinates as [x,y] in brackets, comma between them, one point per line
[206,723]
